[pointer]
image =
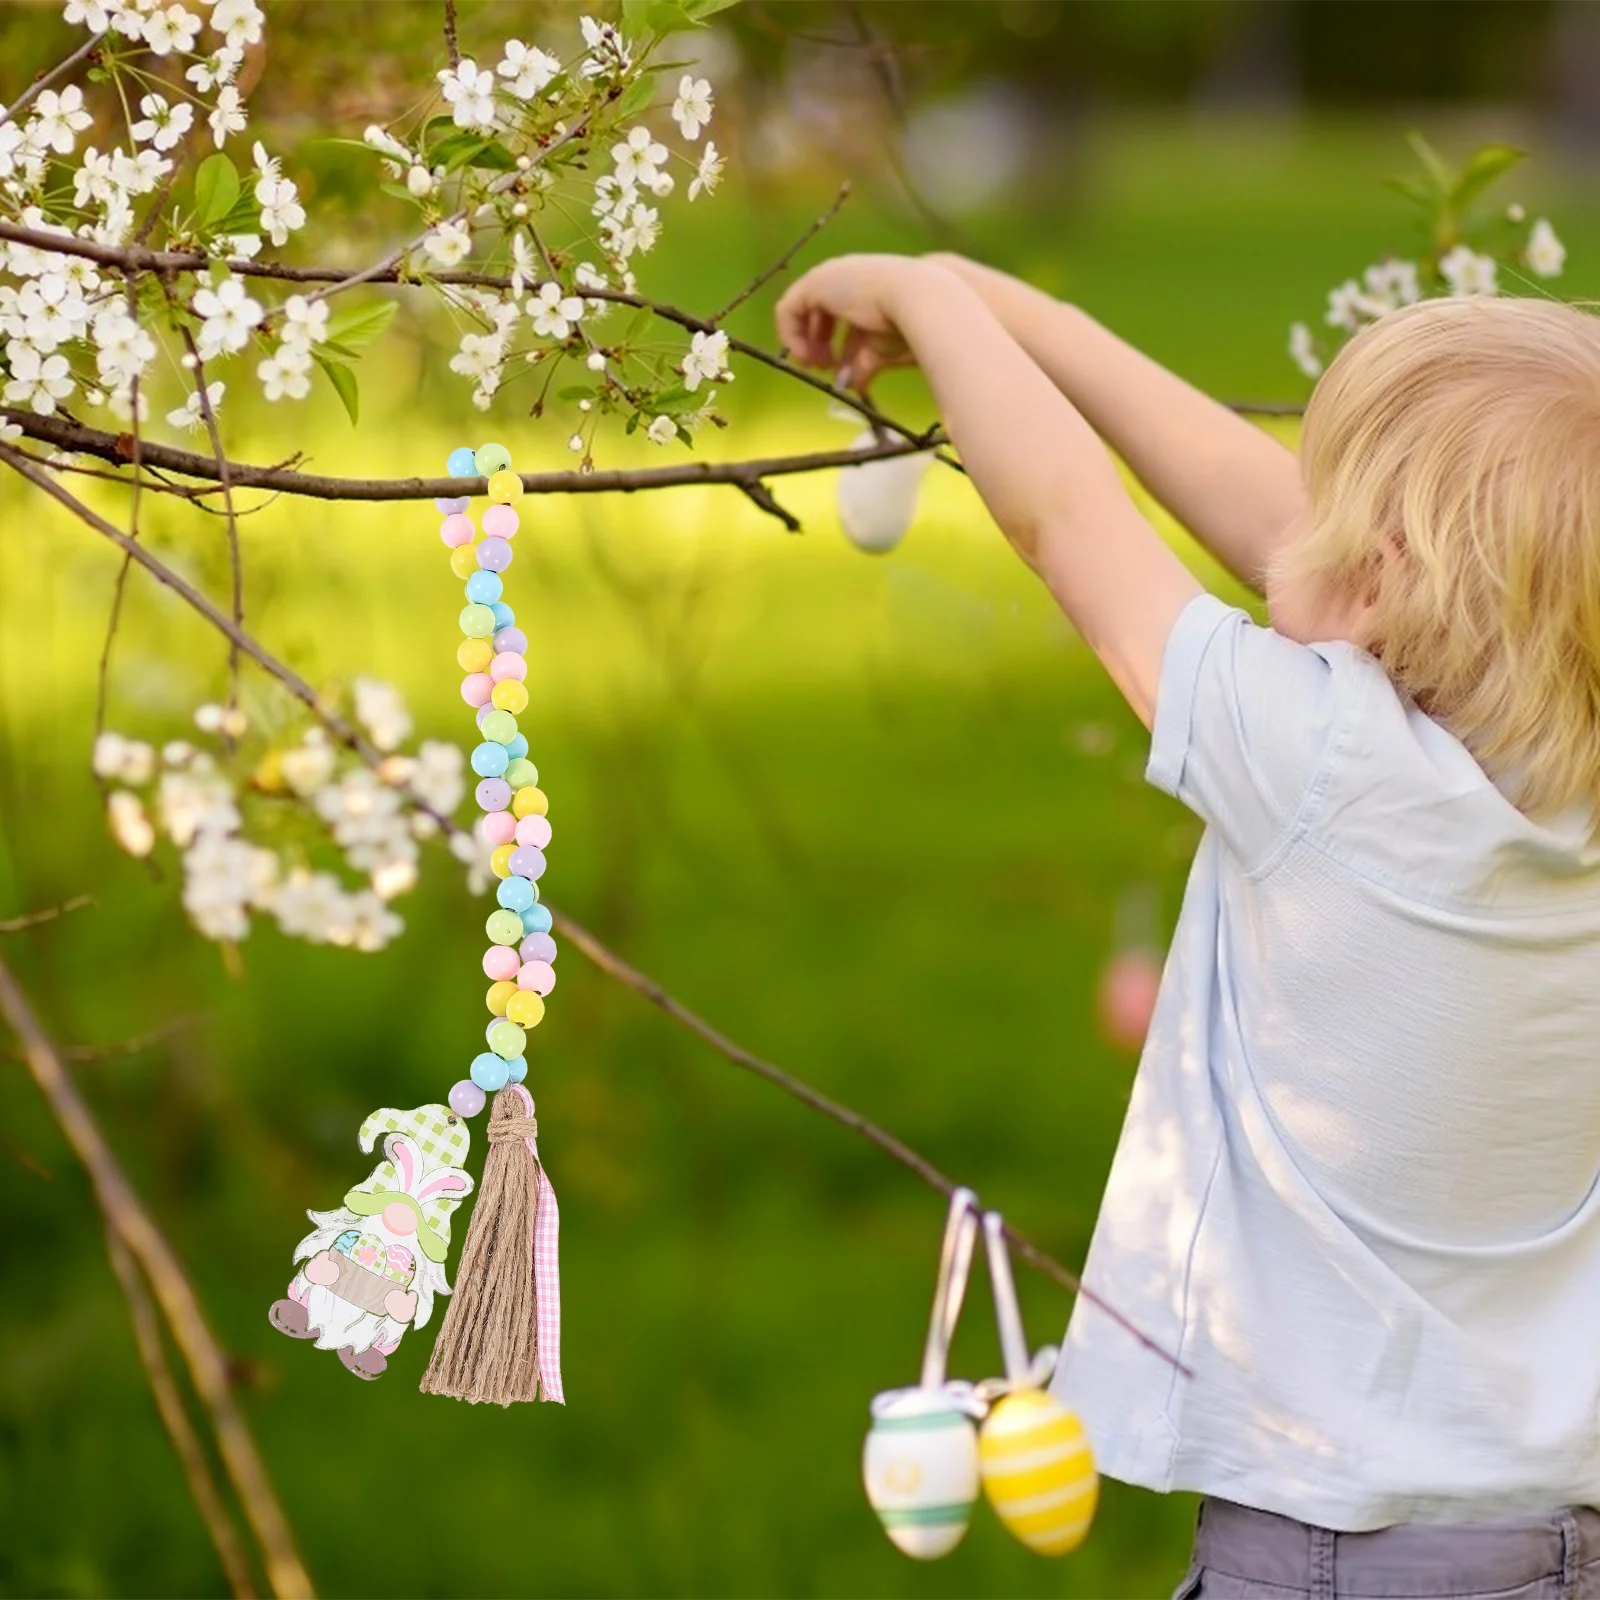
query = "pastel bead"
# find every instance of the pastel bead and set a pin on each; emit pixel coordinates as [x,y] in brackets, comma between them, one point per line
[466,1098]
[505,487]
[516,1069]
[534,830]
[499,996]
[489,1072]
[497,828]
[475,655]
[489,759]
[500,726]
[463,462]
[521,773]
[538,947]
[537,919]
[490,459]
[477,689]
[530,802]
[517,749]
[504,927]
[477,622]
[501,522]
[504,616]
[494,555]
[539,976]
[487,709]
[515,894]
[510,695]
[464,560]
[507,665]
[506,1039]
[511,641]
[493,794]
[500,963]
[525,1009]
[527,861]
[484,588]
[457,530]
[500,861]
[447,505]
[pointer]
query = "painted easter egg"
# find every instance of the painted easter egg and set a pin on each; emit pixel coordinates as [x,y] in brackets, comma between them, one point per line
[920,1465]
[1038,1471]
[878,499]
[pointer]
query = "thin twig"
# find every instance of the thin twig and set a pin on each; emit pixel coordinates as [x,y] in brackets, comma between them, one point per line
[783,261]
[45,79]
[452,46]
[125,1212]
[170,1407]
[79,1054]
[32,919]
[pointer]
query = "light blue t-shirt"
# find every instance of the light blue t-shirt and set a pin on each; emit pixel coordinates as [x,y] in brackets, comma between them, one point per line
[1358,1189]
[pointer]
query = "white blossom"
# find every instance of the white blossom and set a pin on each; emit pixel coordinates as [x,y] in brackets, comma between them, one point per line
[692,109]
[125,349]
[527,69]
[575,443]
[212,71]
[307,905]
[1345,306]
[239,20]
[708,174]
[469,91]
[707,360]
[305,322]
[190,803]
[449,244]
[480,357]
[386,144]
[163,125]
[286,374]
[58,119]
[222,875]
[95,15]
[607,53]
[1303,352]
[281,211]
[36,381]
[130,827]
[662,430]
[1468,273]
[228,315]
[552,313]
[381,710]
[1391,284]
[129,761]
[596,361]
[419,182]
[169,29]
[178,753]
[637,158]
[227,116]
[1545,255]
[365,923]
[437,776]
[240,246]
[191,414]
[308,765]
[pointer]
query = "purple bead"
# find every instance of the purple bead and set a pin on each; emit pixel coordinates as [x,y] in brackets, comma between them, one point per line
[448,506]
[527,861]
[511,641]
[466,1098]
[494,794]
[538,947]
[494,555]
[483,711]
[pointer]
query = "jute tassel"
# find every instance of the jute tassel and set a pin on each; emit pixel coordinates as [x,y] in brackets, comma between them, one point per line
[488,1346]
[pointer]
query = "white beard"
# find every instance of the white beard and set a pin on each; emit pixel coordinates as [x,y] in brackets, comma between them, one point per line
[338,1323]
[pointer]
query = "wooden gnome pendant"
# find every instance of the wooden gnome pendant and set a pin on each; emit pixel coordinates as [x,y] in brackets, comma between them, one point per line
[371,1267]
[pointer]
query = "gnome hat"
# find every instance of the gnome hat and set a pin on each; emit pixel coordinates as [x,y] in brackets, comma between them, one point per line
[431,1195]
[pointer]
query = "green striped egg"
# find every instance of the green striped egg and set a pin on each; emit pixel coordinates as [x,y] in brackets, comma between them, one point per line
[920,1465]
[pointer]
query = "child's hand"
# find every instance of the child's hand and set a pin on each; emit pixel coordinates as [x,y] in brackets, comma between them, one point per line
[861,293]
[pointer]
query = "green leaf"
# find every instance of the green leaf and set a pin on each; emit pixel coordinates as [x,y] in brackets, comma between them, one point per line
[216,189]
[344,385]
[1417,190]
[244,218]
[576,391]
[633,16]
[638,325]
[699,9]
[667,16]
[670,401]
[1433,164]
[468,149]
[636,96]
[358,327]
[1483,166]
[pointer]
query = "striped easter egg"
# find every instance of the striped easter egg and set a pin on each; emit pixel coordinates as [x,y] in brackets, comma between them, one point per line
[920,1464]
[1038,1471]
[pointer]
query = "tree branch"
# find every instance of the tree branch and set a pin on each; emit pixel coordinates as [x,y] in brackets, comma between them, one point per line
[32,919]
[782,263]
[45,79]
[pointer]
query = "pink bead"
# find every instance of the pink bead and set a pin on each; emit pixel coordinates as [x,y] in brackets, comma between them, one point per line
[456,529]
[499,827]
[500,962]
[534,831]
[500,522]
[476,688]
[505,665]
[539,976]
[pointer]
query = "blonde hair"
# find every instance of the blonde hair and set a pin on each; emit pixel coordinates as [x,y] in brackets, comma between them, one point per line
[1452,458]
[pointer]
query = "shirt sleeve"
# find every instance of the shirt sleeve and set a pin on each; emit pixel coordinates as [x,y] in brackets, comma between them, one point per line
[1244,725]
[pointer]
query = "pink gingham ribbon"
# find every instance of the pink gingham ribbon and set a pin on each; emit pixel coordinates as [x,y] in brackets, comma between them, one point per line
[546,1272]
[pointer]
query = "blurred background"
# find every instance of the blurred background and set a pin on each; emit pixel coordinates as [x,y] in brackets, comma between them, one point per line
[880,819]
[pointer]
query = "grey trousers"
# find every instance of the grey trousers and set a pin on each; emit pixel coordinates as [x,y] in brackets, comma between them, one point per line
[1241,1554]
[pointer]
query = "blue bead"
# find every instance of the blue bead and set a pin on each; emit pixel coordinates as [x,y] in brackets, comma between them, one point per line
[447,505]
[463,463]
[516,1069]
[489,1072]
[484,588]
[536,919]
[517,749]
[504,616]
[515,894]
[489,760]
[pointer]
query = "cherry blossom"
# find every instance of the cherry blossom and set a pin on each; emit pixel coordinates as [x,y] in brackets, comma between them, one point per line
[692,109]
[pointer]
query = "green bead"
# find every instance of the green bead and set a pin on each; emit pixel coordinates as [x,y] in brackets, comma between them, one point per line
[491,458]
[504,927]
[507,1040]
[520,773]
[499,726]
[477,622]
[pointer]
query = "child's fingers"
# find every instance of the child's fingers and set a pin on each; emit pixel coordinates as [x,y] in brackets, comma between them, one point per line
[805,328]
[861,359]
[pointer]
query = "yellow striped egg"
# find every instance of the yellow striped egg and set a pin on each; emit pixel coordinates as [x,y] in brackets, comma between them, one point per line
[920,1464]
[1038,1471]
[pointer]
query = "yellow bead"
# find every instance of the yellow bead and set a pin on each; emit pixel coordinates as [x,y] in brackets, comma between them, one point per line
[500,861]
[474,655]
[464,560]
[509,695]
[505,487]
[500,995]
[526,1009]
[530,802]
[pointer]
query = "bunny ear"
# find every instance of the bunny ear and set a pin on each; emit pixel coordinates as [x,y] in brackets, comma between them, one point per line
[402,1151]
[448,1180]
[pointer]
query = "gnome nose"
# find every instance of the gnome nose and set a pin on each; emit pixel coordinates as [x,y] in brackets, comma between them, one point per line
[399,1219]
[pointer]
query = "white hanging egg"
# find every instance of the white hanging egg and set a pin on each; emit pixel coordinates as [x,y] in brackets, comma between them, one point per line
[921,1470]
[878,499]
[1038,1471]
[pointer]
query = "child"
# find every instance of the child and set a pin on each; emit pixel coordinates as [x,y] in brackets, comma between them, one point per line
[1358,1190]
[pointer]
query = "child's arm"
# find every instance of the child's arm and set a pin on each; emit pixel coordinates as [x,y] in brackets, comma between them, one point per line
[1233,486]
[1038,465]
